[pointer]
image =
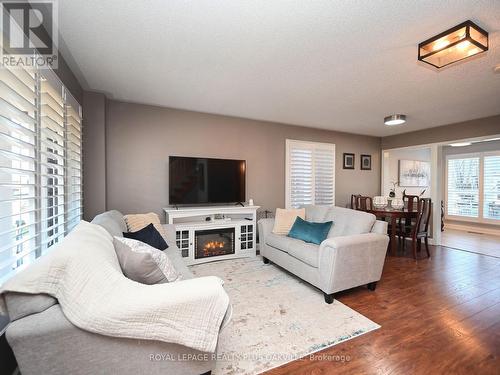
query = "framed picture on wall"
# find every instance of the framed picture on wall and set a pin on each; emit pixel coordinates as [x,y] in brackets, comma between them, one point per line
[366,162]
[414,173]
[348,161]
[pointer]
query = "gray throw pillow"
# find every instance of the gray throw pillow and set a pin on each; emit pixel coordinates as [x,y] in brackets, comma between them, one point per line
[143,263]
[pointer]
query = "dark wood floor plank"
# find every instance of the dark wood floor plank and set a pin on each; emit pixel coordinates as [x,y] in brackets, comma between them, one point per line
[438,316]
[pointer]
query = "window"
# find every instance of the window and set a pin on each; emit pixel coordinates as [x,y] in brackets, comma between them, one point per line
[40,165]
[310,173]
[473,187]
[491,208]
[463,187]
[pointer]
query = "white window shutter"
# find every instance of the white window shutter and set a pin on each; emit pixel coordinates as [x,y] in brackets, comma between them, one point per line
[53,159]
[463,187]
[491,208]
[310,173]
[19,237]
[74,182]
[40,165]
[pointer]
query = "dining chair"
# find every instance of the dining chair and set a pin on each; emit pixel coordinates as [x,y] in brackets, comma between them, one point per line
[411,201]
[420,229]
[354,197]
[411,204]
[364,203]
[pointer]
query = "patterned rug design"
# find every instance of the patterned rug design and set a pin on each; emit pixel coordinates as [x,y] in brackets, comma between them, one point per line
[277,318]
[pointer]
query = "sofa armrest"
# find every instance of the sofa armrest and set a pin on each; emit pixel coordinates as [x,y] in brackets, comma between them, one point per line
[265,227]
[349,261]
[380,227]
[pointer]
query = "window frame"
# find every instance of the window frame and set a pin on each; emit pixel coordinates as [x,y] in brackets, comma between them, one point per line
[469,219]
[311,144]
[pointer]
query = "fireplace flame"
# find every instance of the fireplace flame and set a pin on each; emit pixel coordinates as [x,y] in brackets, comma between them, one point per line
[214,245]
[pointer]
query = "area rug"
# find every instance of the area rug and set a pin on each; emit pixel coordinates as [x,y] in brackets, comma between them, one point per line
[277,318]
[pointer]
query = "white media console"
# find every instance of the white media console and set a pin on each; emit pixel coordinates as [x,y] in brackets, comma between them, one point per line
[211,233]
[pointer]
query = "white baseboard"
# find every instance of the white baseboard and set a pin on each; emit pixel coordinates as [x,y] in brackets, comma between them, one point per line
[468,228]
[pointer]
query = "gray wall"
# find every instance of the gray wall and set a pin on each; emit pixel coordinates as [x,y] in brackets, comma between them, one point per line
[139,139]
[94,155]
[461,130]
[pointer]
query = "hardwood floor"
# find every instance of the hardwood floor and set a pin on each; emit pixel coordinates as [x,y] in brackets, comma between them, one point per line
[474,242]
[438,316]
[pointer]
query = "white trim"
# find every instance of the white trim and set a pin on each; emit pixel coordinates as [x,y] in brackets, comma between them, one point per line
[468,228]
[287,172]
[435,192]
[464,156]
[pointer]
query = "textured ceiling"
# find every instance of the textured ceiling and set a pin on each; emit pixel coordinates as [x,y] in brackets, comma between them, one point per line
[340,65]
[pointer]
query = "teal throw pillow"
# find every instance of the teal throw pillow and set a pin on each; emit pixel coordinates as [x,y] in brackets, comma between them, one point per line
[310,232]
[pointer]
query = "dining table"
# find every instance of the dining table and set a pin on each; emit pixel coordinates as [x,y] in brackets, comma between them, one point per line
[393,214]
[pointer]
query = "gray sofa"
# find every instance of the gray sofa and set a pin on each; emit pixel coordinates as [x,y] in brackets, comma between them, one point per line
[45,342]
[352,255]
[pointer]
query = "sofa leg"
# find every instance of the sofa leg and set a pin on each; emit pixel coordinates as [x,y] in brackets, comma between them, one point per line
[266,261]
[328,298]
[372,286]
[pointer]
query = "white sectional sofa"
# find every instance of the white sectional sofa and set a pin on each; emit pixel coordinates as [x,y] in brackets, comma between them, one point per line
[44,341]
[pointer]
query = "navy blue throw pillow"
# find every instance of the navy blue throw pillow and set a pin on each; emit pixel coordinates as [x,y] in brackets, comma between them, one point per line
[148,235]
[310,232]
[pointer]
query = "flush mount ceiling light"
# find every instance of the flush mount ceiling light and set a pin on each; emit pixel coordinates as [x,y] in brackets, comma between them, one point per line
[395,120]
[458,43]
[460,144]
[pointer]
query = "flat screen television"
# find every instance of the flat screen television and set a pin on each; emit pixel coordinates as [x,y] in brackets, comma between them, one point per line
[195,181]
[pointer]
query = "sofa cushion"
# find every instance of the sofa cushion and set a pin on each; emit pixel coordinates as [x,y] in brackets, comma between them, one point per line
[279,241]
[305,252]
[174,254]
[112,221]
[346,222]
[315,213]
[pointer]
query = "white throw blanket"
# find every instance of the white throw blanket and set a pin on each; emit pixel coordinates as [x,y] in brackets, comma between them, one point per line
[83,273]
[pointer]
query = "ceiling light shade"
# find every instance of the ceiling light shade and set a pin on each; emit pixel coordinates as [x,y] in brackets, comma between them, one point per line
[460,144]
[395,120]
[458,43]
